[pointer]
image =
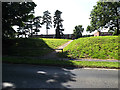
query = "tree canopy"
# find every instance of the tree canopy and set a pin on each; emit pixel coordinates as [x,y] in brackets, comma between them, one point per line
[77,32]
[15,13]
[37,24]
[58,24]
[104,15]
[21,14]
[47,19]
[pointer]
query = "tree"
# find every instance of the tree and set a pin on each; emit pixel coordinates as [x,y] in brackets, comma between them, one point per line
[90,28]
[15,13]
[29,26]
[37,24]
[77,32]
[21,31]
[104,15]
[47,20]
[58,24]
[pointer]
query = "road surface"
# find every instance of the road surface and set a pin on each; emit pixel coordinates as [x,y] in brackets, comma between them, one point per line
[32,76]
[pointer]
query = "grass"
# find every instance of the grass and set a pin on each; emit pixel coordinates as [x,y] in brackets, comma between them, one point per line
[105,47]
[63,63]
[31,46]
[102,47]
[54,43]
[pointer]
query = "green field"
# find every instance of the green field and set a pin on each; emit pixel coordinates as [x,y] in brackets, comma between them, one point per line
[102,47]
[31,46]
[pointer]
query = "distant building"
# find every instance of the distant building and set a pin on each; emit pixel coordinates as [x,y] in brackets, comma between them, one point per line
[98,33]
[68,36]
[65,36]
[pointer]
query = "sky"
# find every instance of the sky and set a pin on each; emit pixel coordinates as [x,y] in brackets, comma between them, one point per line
[74,12]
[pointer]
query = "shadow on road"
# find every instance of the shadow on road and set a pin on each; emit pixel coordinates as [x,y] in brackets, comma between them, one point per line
[27,76]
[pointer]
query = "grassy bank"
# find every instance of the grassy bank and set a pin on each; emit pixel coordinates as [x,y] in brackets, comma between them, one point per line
[63,63]
[102,47]
[30,47]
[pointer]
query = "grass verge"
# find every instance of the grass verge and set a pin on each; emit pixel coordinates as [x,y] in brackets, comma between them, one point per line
[63,63]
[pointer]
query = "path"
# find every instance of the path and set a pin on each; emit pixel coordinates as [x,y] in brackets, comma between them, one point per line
[96,60]
[64,45]
[53,55]
[32,76]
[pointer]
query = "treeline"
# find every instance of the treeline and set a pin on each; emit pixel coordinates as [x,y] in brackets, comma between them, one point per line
[21,14]
[105,15]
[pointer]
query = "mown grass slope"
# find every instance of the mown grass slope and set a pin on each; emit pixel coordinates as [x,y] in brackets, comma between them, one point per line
[30,47]
[102,47]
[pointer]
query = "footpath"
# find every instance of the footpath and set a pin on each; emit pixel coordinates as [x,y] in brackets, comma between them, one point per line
[53,55]
[97,60]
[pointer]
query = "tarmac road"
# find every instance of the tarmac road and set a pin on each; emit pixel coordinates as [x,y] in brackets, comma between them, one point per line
[35,76]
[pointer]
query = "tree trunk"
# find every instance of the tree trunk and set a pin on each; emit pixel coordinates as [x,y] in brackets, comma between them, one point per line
[118,32]
[46,31]
[31,31]
[57,33]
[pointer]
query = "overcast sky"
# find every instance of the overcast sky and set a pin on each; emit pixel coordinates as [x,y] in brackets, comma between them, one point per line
[74,12]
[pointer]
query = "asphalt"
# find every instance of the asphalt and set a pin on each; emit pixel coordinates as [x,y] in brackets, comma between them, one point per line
[35,76]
